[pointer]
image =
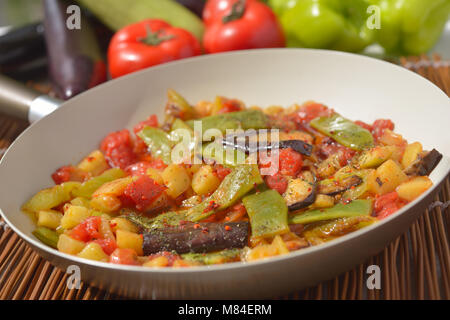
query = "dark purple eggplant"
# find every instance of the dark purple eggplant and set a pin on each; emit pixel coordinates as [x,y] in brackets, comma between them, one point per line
[299,194]
[423,166]
[75,61]
[252,146]
[332,187]
[198,238]
[196,6]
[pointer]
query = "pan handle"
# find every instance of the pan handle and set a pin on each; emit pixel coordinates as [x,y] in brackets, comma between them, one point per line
[22,102]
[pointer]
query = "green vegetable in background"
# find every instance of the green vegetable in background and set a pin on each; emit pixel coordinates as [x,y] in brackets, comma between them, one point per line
[235,185]
[344,131]
[411,26]
[88,187]
[119,13]
[268,213]
[340,210]
[326,24]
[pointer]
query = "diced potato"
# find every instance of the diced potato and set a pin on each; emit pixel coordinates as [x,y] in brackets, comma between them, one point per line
[323,201]
[277,247]
[46,199]
[74,215]
[193,168]
[413,188]
[123,224]
[106,203]
[80,201]
[115,187]
[411,153]
[374,157]
[176,179]
[157,262]
[205,181]
[390,138]
[155,175]
[95,163]
[105,229]
[69,245]
[203,108]
[273,110]
[386,178]
[93,251]
[49,218]
[130,240]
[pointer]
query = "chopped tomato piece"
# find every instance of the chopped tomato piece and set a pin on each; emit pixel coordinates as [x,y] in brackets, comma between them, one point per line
[108,245]
[387,204]
[229,105]
[152,121]
[118,149]
[138,168]
[158,164]
[290,162]
[311,111]
[87,230]
[379,126]
[364,125]
[143,192]
[221,171]
[124,256]
[277,182]
[68,173]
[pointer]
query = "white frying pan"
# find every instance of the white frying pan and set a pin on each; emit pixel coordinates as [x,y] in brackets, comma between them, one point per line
[358,87]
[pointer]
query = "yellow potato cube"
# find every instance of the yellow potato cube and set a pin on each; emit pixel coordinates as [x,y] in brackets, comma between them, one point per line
[323,201]
[123,224]
[105,203]
[176,179]
[157,262]
[93,251]
[74,215]
[205,181]
[114,188]
[411,153]
[130,240]
[69,245]
[413,188]
[49,218]
[95,163]
[155,175]
[386,178]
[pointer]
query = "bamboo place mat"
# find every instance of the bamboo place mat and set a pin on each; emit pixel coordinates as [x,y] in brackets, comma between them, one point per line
[414,266]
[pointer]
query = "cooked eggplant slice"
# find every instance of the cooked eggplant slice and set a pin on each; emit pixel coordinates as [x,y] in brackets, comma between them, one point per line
[299,194]
[197,237]
[253,145]
[423,166]
[332,187]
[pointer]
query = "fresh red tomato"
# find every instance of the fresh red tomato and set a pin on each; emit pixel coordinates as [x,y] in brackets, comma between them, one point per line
[143,192]
[148,43]
[290,162]
[118,149]
[87,230]
[123,256]
[277,182]
[108,245]
[239,25]
[68,173]
[380,125]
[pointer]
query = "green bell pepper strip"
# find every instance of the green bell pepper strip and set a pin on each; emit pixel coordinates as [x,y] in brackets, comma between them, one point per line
[326,24]
[344,131]
[224,256]
[47,236]
[216,152]
[247,119]
[268,213]
[235,185]
[88,187]
[158,142]
[411,27]
[170,218]
[340,210]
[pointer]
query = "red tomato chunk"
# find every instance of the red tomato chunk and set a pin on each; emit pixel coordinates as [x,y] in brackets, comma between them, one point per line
[123,256]
[290,162]
[143,192]
[311,111]
[68,173]
[379,126]
[118,149]
[87,230]
[387,204]
[277,182]
[152,121]
[108,245]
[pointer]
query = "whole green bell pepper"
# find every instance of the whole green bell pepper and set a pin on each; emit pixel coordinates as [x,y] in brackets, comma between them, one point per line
[411,27]
[326,24]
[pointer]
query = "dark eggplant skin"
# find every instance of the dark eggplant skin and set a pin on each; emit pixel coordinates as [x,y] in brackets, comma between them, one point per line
[196,6]
[197,237]
[309,200]
[425,165]
[333,189]
[296,145]
[75,61]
